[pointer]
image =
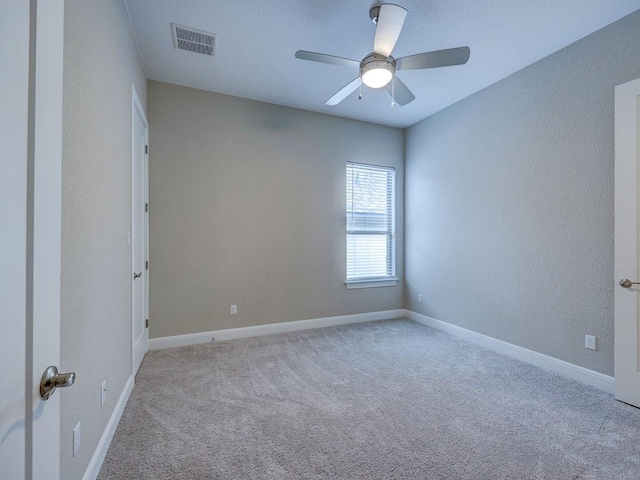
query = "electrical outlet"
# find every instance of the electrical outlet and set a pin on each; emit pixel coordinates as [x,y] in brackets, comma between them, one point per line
[590,342]
[419,298]
[103,394]
[233,310]
[77,436]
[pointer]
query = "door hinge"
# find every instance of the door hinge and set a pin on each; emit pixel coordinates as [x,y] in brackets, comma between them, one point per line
[146,149]
[146,323]
[146,265]
[146,207]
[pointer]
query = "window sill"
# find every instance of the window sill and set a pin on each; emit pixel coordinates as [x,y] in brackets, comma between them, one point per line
[382,282]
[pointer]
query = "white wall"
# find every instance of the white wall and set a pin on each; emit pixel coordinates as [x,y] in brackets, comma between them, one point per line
[101,62]
[509,202]
[247,207]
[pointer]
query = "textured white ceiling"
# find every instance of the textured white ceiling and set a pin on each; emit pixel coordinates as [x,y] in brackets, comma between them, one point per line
[256,43]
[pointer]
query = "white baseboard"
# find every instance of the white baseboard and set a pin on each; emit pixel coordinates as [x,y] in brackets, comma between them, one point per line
[257,331]
[575,372]
[103,445]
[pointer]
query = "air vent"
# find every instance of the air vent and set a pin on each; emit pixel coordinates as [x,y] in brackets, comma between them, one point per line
[193,40]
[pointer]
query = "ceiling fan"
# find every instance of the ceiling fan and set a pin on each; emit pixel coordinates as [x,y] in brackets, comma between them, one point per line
[378,69]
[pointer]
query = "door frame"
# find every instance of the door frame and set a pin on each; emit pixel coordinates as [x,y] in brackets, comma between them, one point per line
[137,111]
[627,111]
[14,134]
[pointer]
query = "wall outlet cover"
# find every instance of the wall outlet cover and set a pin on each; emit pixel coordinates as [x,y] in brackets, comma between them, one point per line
[590,342]
[233,310]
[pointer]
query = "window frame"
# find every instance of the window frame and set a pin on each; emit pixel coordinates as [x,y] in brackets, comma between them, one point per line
[390,279]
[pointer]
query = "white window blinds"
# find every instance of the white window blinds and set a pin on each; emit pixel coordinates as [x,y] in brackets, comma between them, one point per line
[370,223]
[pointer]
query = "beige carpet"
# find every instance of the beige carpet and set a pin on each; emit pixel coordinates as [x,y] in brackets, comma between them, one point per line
[382,400]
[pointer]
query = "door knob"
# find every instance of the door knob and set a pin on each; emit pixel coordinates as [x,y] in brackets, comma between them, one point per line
[52,379]
[626,283]
[136,275]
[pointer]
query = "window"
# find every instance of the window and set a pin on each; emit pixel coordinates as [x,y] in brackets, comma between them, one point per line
[371,259]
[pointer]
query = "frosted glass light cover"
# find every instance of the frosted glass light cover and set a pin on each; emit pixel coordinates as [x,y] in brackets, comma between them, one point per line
[376,77]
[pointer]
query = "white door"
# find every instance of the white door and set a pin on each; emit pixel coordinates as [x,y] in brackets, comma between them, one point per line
[139,226]
[30,219]
[627,293]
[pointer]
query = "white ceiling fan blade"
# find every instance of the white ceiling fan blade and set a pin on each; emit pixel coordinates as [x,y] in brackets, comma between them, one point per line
[390,21]
[438,58]
[344,92]
[399,92]
[330,59]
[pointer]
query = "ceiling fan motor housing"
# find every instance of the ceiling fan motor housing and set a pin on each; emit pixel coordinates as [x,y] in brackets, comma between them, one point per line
[374,61]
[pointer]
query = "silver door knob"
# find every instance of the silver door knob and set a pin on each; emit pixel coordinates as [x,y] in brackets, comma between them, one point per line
[52,379]
[136,275]
[626,283]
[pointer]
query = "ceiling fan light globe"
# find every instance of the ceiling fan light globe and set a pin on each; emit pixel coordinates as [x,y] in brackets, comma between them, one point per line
[377,77]
[377,71]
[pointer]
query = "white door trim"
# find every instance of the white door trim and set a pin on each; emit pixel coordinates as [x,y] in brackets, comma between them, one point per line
[137,112]
[14,135]
[627,381]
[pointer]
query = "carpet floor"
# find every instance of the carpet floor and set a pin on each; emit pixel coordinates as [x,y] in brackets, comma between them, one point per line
[381,400]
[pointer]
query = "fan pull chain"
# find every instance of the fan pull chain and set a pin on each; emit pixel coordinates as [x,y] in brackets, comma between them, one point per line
[393,91]
[360,94]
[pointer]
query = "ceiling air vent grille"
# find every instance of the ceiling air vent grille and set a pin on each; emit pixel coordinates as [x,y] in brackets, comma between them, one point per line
[192,40]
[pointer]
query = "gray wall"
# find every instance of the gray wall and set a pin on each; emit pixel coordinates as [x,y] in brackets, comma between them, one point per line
[509,202]
[247,207]
[101,62]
